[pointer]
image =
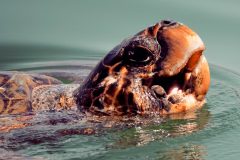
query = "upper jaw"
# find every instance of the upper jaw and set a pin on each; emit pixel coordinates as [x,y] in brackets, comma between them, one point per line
[179,45]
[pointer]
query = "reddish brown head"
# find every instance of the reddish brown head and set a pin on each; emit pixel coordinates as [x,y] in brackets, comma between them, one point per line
[159,69]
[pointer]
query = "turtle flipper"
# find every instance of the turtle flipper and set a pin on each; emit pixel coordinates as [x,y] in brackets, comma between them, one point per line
[16,90]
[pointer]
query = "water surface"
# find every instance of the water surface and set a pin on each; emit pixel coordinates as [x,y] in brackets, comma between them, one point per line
[210,133]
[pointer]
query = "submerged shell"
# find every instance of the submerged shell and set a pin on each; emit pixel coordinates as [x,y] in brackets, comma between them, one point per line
[16,90]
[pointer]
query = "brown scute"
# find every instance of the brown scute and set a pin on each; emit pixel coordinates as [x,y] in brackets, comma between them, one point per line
[4,103]
[4,78]
[16,91]
[17,106]
[2,106]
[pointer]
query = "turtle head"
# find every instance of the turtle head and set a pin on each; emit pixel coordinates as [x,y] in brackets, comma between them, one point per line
[161,69]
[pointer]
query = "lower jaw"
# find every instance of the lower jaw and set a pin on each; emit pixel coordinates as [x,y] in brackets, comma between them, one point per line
[188,104]
[178,86]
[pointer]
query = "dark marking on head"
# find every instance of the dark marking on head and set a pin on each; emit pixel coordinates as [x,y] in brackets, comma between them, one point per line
[97,92]
[130,99]
[112,88]
[107,100]
[117,68]
[168,23]
[98,104]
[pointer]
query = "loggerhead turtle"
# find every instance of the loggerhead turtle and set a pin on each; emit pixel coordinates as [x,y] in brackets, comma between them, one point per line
[160,70]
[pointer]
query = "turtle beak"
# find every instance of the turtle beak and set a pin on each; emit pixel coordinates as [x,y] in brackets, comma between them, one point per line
[182,68]
[179,44]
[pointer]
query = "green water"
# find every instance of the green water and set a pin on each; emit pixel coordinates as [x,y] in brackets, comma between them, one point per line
[210,133]
[56,36]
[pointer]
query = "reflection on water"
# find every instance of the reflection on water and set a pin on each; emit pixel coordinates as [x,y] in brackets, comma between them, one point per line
[169,127]
[187,151]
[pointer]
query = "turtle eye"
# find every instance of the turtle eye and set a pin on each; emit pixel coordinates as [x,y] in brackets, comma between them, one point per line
[138,56]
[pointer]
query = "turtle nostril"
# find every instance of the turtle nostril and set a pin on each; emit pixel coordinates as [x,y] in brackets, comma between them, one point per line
[167,23]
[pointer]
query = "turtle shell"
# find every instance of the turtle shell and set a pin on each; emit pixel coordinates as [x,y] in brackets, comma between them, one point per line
[16,89]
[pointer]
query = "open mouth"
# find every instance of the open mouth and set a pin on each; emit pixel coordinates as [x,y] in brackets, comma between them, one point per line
[173,90]
[183,91]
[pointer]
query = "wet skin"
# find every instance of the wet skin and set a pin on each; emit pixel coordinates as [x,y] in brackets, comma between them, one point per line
[159,70]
